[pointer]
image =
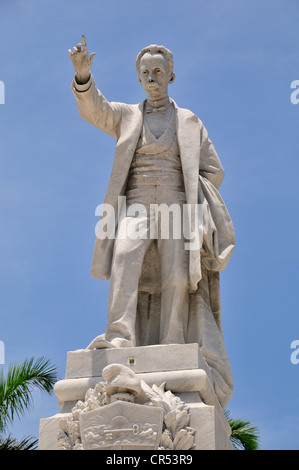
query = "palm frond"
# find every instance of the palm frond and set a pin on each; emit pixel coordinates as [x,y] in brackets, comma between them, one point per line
[244,435]
[10,443]
[16,388]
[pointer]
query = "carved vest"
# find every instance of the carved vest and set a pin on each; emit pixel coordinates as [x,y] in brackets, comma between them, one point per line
[157,162]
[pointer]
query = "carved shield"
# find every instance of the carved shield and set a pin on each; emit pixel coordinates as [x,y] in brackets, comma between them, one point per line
[121,425]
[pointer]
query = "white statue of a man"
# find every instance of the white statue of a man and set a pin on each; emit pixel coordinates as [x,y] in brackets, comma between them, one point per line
[163,155]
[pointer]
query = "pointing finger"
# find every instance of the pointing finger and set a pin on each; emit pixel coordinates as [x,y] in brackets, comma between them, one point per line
[84,42]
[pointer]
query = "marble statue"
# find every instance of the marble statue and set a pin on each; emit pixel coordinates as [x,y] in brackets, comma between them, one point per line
[163,289]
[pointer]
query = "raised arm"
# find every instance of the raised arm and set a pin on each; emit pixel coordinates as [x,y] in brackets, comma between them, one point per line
[92,105]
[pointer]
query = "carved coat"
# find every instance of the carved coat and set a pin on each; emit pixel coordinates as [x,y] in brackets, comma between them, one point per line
[203,175]
[198,158]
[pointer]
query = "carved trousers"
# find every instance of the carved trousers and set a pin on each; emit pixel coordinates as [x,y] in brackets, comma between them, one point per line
[136,232]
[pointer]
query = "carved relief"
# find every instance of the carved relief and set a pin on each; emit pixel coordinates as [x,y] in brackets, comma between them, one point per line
[125,413]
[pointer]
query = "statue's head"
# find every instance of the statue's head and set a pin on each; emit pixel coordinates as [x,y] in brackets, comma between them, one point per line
[154,65]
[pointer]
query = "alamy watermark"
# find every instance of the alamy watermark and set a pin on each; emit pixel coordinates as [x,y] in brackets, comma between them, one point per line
[2,92]
[295,354]
[139,222]
[2,353]
[295,94]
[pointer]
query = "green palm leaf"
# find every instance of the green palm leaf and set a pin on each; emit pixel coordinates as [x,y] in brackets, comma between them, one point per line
[10,443]
[244,435]
[16,388]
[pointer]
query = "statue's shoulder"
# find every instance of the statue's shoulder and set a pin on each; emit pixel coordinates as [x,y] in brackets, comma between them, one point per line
[185,113]
[131,108]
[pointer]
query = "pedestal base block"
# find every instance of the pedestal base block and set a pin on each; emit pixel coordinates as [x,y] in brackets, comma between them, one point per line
[174,378]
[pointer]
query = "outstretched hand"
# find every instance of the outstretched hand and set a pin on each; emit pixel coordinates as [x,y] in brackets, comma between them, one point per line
[81,61]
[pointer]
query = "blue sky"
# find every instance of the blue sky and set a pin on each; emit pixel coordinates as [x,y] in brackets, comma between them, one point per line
[234,64]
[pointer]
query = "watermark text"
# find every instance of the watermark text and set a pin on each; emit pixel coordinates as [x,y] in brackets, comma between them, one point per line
[2,92]
[152,221]
[295,94]
[295,354]
[2,353]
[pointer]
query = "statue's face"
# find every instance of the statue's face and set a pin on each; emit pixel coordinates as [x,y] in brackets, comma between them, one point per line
[154,75]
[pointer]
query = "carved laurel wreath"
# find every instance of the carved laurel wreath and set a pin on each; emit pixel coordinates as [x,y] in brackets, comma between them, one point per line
[176,433]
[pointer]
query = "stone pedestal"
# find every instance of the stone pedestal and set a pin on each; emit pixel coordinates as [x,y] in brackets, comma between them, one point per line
[181,368]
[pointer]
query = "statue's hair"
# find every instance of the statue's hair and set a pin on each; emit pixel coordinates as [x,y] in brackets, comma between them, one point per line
[154,49]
